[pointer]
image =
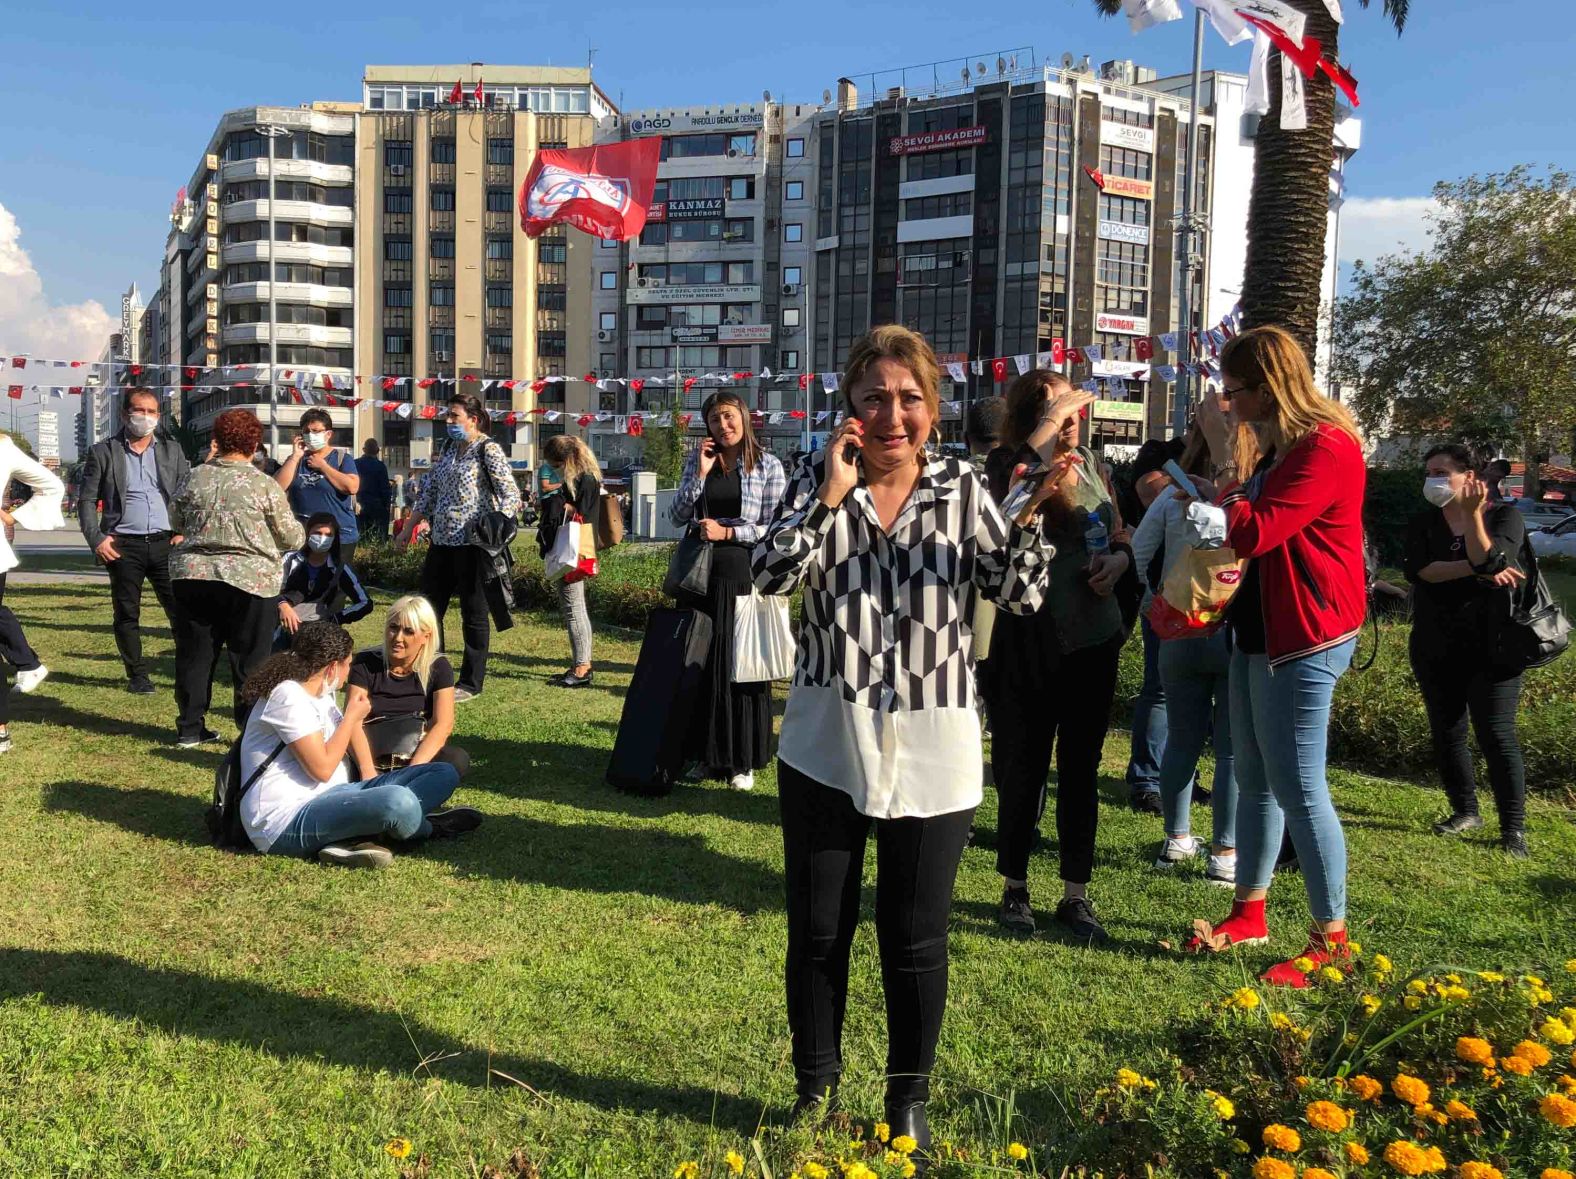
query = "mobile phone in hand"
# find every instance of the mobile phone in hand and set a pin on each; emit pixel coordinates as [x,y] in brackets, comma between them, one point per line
[1021,491]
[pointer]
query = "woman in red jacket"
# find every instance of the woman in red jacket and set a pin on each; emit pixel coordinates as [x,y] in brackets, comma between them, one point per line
[1292,468]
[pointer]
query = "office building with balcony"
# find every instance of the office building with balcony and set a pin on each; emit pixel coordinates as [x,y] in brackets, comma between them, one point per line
[448,285]
[718,280]
[230,248]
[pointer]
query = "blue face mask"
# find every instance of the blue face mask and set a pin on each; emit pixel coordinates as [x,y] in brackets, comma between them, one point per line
[457,432]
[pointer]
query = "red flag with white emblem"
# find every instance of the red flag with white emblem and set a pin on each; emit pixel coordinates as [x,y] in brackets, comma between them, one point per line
[603,190]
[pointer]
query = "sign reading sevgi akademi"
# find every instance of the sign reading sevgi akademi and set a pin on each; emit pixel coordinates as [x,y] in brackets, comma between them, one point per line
[923,141]
[708,293]
[1127,186]
[1121,231]
[1127,135]
[1127,325]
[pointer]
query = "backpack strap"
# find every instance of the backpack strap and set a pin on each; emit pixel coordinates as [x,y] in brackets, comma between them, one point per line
[258,772]
[481,464]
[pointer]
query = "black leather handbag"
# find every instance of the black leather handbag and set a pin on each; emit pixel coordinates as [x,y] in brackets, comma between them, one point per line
[1537,631]
[394,739]
[689,568]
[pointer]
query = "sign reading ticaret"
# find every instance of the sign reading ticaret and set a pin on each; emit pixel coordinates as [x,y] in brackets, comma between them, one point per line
[923,141]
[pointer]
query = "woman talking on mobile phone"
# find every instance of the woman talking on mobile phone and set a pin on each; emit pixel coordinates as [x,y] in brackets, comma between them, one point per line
[889,545]
[732,487]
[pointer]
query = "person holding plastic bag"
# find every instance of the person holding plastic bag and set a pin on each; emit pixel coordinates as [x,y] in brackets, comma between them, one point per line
[577,500]
[730,489]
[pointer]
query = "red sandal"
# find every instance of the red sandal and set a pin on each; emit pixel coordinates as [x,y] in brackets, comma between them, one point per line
[1244,927]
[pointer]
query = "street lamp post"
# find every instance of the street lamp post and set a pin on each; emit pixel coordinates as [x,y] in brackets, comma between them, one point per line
[272,133]
[1183,399]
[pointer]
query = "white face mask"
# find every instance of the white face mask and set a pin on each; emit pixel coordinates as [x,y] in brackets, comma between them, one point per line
[1437,490]
[140,425]
[330,686]
[316,440]
[319,544]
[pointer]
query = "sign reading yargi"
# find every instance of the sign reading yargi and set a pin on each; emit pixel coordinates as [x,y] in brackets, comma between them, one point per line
[911,145]
[1127,325]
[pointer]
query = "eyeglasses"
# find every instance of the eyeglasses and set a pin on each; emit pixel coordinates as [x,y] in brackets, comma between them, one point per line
[1228,392]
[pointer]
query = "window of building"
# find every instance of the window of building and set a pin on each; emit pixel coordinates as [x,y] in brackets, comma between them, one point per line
[443,151]
[650,316]
[793,275]
[741,188]
[552,344]
[794,149]
[793,232]
[738,229]
[651,358]
[500,248]
[441,342]
[1127,210]
[950,204]
[397,249]
[741,272]
[442,245]
[499,343]
[607,362]
[608,321]
[552,251]
[396,343]
[397,153]
[791,316]
[398,200]
[499,200]
[397,296]
[552,298]
[793,190]
[680,147]
[607,243]
[442,200]
[498,296]
[1127,162]
[441,294]
[608,280]
[500,151]
[789,360]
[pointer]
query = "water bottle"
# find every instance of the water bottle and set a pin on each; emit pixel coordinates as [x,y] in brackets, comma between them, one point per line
[1097,541]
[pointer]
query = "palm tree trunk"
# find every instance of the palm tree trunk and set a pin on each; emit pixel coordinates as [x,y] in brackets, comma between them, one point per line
[1289,206]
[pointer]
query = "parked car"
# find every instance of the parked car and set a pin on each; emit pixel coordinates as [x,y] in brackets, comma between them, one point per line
[1558,541]
[1537,514]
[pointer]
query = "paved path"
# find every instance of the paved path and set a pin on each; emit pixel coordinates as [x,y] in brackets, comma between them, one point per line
[40,553]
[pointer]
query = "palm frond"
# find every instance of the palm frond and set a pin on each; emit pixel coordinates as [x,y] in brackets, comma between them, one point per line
[1396,10]
[1108,7]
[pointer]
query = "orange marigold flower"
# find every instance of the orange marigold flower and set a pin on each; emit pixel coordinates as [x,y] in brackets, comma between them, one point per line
[1279,1137]
[1318,1173]
[1272,1168]
[1411,1159]
[1475,1170]
[1326,1115]
[1409,1089]
[1533,1053]
[1366,1088]
[1460,1111]
[1356,1154]
[1516,1063]
[1555,1173]
[1474,1051]
[1558,1110]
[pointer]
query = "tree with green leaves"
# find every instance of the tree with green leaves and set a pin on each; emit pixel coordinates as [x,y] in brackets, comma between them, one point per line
[1289,203]
[662,451]
[1475,336]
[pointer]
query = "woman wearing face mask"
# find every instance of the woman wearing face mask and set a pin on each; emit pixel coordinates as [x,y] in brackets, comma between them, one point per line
[579,491]
[890,545]
[1463,558]
[302,801]
[733,487]
[410,677]
[471,477]
[1067,653]
[317,585]
[320,477]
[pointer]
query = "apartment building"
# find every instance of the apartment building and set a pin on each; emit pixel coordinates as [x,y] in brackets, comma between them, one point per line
[718,280]
[448,284]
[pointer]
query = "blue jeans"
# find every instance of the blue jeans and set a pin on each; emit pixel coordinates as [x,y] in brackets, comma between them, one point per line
[393,804]
[1149,721]
[1196,673]
[1280,721]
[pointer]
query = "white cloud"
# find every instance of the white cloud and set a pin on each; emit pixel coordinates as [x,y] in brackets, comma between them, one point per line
[29,323]
[1374,226]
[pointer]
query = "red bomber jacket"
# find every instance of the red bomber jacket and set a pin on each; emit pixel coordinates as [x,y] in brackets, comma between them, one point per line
[1305,529]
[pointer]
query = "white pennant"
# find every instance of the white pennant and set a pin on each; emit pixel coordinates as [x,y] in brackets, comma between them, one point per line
[1021,362]
[1294,97]
[1223,15]
[402,410]
[1042,360]
[766,373]
[821,415]
[978,367]
[829,381]
[955,371]
[1145,14]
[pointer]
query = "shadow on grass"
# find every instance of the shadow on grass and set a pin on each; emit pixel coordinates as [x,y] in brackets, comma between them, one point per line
[330,1031]
[157,814]
[556,666]
[56,712]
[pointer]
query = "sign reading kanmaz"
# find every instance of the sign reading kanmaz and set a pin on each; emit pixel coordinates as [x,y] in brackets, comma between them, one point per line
[909,145]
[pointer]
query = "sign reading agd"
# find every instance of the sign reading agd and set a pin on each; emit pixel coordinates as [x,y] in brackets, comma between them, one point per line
[677,124]
[1126,135]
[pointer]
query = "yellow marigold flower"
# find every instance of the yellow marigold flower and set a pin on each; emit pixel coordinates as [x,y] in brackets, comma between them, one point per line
[734,1162]
[1318,1173]
[903,1144]
[859,1171]
[1355,947]
[1279,1137]
[893,1159]
[814,1171]
[1474,1051]
[1017,1151]
[1371,1005]
[1271,1168]
[1382,965]
[1409,1089]
[909,1171]
[1223,1108]
[1304,963]
[1516,1063]
[1417,986]
[1570,966]
[1356,1154]
[1453,978]
[1556,1032]
[881,1131]
[1491,976]
[1476,1170]
[1245,997]
[1456,993]
[1558,1110]
[397,1147]
[1542,996]
[1326,1115]
[1330,974]
[1238,1146]
[687,1170]
[1366,1088]
[1568,1014]
[1411,1002]
[1280,1021]
[1460,1111]
[1567,1084]
[1127,1078]
[1555,1173]
[1533,1052]
[1301,1082]
[1532,980]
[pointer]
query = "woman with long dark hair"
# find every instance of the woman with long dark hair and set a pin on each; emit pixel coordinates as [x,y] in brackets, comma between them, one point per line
[730,489]
[302,801]
[471,476]
[1292,474]
[1067,652]
[578,493]
[1464,560]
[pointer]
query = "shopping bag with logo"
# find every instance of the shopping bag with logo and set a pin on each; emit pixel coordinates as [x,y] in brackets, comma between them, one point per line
[585,562]
[1195,593]
[564,556]
[763,644]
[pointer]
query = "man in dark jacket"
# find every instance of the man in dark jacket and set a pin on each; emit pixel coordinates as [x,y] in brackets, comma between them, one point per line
[376,493]
[127,483]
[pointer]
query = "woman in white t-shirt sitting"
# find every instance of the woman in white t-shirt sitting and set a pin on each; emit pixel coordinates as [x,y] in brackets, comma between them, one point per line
[303,801]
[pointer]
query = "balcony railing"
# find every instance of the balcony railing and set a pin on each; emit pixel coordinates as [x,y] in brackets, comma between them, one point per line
[500,317]
[440,316]
[396,317]
[397,271]
[499,269]
[493,222]
[440,268]
[441,220]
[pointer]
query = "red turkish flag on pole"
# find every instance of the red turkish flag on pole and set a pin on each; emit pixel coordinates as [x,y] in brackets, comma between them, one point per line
[1143,347]
[14,391]
[457,95]
[1096,175]
[479,92]
[1058,352]
[998,368]
[604,191]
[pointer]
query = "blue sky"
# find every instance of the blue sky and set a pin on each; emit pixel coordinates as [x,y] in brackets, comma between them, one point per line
[107,106]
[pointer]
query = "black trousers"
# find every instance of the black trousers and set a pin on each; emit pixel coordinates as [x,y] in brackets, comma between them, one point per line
[14,650]
[374,524]
[456,570]
[1043,698]
[1457,686]
[210,615]
[142,558]
[916,867]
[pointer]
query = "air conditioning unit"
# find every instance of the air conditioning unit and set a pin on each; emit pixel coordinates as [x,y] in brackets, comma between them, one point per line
[396,169]
[733,153]
[642,281]
[441,356]
[790,288]
[604,336]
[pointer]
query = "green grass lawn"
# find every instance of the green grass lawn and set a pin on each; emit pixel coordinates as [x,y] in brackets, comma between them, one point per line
[592,978]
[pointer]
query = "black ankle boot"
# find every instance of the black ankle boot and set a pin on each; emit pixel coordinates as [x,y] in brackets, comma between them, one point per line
[908,1119]
[815,1101]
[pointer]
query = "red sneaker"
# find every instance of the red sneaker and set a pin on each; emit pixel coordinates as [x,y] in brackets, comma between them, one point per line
[1323,949]
[1244,927]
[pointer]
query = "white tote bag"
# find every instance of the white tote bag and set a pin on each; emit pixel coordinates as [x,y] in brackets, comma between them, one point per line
[564,556]
[763,644]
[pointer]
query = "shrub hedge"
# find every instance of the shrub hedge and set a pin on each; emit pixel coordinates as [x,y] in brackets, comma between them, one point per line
[1378,724]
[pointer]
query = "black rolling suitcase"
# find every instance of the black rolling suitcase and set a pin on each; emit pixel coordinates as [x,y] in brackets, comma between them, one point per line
[648,753]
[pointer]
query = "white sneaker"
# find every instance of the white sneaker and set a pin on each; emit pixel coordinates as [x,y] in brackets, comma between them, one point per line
[27,681]
[1222,871]
[1174,851]
[742,781]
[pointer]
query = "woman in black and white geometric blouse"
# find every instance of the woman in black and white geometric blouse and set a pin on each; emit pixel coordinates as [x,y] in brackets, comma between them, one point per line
[889,545]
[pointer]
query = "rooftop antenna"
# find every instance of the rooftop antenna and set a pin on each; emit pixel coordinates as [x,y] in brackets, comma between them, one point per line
[826,97]
[1067,61]
[979,67]
[591,52]
[1001,65]
[766,95]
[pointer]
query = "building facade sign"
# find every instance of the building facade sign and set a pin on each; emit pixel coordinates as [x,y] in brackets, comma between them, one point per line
[1121,231]
[701,333]
[1127,325]
[923,141]
[1120,411]
[707,293]
[1144,190]
[1126,135]
[696,209]
[683,124]
[48,434]
[1129,369]
[744,333]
